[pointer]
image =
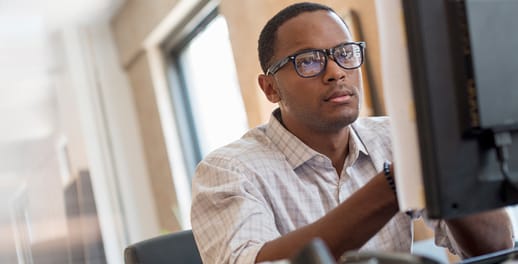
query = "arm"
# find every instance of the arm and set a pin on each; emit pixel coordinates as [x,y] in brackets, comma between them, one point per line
[347,227]
[482,233]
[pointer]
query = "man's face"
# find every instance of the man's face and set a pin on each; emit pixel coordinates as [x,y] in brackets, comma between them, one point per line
[327,102]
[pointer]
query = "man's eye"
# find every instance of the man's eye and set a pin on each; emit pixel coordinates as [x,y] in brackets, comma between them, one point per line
[307,61]
[346,54]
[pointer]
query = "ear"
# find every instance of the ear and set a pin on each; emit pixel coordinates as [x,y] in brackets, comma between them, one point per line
[266,82]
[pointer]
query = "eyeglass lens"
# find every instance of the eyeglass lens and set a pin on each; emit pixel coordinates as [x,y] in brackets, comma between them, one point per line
[310,63]
[313,62]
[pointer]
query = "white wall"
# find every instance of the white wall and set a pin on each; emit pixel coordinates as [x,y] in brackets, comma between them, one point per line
[77,97]
[112,142]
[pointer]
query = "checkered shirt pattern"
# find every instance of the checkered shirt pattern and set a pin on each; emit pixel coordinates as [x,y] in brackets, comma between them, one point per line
[269,183]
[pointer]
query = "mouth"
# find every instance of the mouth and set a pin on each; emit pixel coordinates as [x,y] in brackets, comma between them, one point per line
[339,97]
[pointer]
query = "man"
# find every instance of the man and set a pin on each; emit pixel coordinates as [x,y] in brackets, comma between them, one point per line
[315,170]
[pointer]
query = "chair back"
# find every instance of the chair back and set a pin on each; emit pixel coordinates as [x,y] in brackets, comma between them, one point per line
[178,247]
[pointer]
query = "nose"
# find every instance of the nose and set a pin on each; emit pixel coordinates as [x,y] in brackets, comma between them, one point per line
[333,71]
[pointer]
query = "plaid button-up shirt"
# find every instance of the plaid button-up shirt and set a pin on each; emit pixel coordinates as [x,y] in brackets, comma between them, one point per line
[270,183]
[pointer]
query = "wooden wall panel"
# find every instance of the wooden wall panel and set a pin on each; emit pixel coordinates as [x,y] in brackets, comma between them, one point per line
[134,22]
[154,143]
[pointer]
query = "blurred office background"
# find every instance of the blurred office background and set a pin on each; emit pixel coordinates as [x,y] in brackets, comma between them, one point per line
[106,106]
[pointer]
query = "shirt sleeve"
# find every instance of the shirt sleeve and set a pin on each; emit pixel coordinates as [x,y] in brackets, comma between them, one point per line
[444,238]
[230,218]
[443,235]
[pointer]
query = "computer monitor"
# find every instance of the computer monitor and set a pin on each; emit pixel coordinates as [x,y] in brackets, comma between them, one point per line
[463,67]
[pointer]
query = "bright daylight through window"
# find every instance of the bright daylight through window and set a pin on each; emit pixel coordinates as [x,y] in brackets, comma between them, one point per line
[214,111]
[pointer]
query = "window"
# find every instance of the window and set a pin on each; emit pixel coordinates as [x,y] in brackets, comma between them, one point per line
[208,106]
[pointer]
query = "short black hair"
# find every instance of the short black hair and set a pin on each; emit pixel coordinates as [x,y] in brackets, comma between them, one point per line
[268,35]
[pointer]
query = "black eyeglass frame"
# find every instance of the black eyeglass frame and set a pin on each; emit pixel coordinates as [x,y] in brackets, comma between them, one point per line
[329,53]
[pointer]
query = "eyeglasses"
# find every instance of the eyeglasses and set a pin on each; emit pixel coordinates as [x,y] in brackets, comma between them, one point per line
[310,63]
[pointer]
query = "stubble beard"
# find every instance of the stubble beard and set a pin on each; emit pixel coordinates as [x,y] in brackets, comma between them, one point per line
[339,123]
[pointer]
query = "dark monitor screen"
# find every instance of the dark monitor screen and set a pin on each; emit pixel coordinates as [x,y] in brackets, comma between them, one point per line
[463,58]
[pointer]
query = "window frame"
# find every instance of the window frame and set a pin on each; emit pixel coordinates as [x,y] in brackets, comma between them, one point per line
[189,137]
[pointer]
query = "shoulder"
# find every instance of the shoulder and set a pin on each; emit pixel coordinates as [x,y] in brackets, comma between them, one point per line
[374,132]
[248,151]
[376,124]
[241,166]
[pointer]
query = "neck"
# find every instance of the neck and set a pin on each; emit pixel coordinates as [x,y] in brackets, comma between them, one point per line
[333,144]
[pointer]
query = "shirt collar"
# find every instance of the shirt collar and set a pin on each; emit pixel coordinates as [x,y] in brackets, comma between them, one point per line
[355,139]
[295,151]
[355,146]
